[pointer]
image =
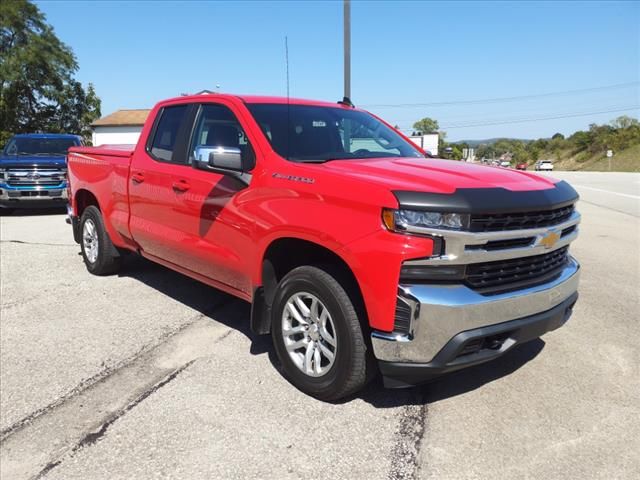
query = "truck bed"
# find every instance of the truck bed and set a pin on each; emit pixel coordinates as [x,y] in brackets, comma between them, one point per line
[104,171]
[117,150]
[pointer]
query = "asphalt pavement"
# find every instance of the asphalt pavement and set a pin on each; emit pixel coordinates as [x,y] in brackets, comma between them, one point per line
[149,374]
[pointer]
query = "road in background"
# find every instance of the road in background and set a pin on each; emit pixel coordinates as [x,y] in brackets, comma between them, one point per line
[612,190]
[150,374]
[573,409]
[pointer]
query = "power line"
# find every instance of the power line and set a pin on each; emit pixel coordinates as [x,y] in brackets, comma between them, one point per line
[505,99]
[532,119]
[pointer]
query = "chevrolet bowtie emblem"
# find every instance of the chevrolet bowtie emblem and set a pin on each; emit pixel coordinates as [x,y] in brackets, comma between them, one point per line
[549,240]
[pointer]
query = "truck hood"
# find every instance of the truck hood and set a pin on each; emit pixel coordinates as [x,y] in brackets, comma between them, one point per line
[437,176]
[9,161]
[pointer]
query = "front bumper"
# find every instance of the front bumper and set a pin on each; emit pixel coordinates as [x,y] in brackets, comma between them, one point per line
[449,318]
[32,197]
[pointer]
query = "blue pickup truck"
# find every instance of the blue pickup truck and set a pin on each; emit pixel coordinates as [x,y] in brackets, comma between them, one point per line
[33,170]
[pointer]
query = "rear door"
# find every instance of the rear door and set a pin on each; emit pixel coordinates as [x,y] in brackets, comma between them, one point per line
[154,191]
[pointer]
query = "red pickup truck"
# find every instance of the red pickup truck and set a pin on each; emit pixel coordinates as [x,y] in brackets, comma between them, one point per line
[358,253]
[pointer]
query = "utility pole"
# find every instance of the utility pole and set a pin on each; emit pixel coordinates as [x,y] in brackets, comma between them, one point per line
[347,50]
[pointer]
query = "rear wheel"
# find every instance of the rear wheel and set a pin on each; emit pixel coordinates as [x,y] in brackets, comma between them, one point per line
[98,252]
[317,335]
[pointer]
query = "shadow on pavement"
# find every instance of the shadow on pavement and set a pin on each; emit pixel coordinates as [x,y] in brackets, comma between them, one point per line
[453,384]
[210,302]
[234,313]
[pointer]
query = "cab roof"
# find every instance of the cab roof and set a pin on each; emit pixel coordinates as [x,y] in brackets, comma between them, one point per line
[261,99]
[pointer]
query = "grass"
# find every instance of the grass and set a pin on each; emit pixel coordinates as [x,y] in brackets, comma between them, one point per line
[627,160]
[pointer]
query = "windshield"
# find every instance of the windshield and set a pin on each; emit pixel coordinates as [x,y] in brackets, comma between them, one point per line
[303,133]
[39,146]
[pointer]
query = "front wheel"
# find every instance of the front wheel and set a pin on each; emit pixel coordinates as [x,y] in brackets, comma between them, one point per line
[317,335]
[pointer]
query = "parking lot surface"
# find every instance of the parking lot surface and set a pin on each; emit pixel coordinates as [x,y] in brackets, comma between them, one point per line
[149,374]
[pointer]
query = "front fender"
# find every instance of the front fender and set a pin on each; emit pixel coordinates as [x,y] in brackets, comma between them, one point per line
[375,261]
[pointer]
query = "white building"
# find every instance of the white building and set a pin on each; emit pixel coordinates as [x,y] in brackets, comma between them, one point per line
[122,127]
[469,154]
[427,142]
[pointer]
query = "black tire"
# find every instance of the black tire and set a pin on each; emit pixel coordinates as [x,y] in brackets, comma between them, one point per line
[108,258]
[349,372]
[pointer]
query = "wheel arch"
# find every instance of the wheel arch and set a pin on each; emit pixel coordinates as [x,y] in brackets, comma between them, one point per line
[286,253]
[83,199]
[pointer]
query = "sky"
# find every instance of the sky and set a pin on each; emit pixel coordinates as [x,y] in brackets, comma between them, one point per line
[466,64]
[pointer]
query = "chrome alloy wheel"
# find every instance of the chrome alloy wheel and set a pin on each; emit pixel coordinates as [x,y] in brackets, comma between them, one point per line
[309,334]
[90,240]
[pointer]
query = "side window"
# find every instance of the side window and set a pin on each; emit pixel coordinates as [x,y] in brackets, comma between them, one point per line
[164,138]
[217,126]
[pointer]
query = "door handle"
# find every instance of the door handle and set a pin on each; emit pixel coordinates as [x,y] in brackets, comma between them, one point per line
[137,178]
[181,186]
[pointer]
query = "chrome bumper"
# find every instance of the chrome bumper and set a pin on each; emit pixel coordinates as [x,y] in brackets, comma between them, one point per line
[10,194]
[443,311]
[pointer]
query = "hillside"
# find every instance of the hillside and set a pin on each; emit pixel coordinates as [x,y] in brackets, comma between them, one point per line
[488,141]
[627,160]
[583,150]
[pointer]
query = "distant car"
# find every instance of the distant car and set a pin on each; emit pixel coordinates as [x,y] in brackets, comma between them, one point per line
[505,164]
[544,165]
[521,166]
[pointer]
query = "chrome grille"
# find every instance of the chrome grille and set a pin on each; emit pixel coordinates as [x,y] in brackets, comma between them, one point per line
[34,177]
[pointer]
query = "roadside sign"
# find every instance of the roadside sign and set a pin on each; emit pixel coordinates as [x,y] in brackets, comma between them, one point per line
[609,153]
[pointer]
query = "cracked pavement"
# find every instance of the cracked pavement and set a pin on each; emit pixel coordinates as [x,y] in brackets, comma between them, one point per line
[149,374]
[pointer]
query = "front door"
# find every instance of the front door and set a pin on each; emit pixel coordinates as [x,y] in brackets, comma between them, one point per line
[211,221]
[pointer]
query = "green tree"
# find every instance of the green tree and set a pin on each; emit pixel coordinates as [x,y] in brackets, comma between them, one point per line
[426,125]
[624,122]
[580,140]
[456,153]
[442,140]
[37,90]
[485,150]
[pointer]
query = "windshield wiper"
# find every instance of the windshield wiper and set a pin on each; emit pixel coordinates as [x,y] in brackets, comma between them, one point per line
[313,160]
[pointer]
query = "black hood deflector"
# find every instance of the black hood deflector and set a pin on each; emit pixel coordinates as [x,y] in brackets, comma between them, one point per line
[489,200]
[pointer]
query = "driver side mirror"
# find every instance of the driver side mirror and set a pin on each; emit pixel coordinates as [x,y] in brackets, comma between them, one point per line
[221,159]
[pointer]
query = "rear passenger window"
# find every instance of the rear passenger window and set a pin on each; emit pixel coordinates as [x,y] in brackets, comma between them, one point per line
[164,139]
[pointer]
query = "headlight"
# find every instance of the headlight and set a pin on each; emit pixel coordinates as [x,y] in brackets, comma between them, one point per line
[404,220]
